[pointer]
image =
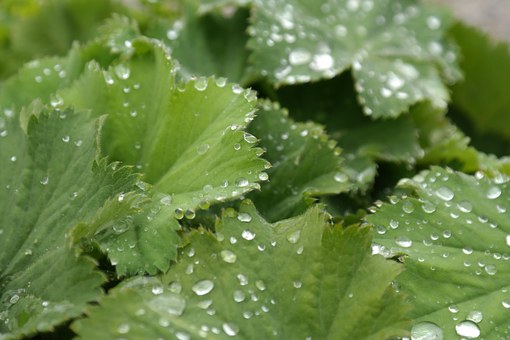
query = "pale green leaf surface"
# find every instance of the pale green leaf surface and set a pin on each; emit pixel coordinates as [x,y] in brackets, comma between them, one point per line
[395,48]
[181,139]
[49,184]
[306,164]
[327,286]
[455,237]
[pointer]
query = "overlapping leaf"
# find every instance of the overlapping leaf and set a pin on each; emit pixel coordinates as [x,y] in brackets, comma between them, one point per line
[306,164]
[50,182]
[454,235]
[328,286]
[395,48]
[363,140]
[182,139]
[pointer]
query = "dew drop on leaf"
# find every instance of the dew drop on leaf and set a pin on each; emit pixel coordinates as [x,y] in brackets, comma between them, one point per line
[203,287]
[299,56]
[228,256]
[294,236]
[475,316]
[244,217]
[248,235]
[426,331]
[493,193]
[239,296]
[403,241]
[444,193]
[230,329]
[468,329]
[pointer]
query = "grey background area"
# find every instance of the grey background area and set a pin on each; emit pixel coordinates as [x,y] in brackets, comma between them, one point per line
[493,16]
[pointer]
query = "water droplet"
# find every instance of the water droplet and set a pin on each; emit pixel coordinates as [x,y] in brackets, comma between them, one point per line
[123,328]
[221,82]
[249,138]
[248,235]
[407,207]
[468,329]
[428,207]
[166,200]
[491,269]
[475,316]
[394,224]
[433,23]
[239,296]
[157,290]
[202,149]
[453,309]
[403,241]
[228,256]
[493,193]
[340,30]
[122,71]
[465,206]
[179,213]
[445,194]
[294,236]
[45,180]
[230,329]
[263,176]
[201,84]
[426,331]
[322,62]
[203,287]
[299,56]
[242,182]
[341,177]
[237,89]
[243,280]
[260,285]
[297,284]
[505,303]
[244,217]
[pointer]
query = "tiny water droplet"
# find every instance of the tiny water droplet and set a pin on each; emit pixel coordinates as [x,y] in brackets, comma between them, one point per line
[244,217]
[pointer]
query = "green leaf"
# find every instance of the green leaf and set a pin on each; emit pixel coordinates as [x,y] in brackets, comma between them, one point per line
[306,164]
[226,285]
[181,139]
[486,106]
[454,235]
[395,49]
[198,43]
[49,28]
[363,140]
[444,143]
[49,184]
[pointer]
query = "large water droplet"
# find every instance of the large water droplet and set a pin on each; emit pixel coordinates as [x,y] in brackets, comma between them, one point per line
[445,193]
[248,235]
[228,256]
[239,296]
[294,236]
[299,56]
[403,241]
[468,329]
[122,71]
[426,331]
[493,193]
[230,329]
[203,287]
[322,62]
[244,217]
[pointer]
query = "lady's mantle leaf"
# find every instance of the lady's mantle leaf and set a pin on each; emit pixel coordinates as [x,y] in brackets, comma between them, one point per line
[455,237]
[182,139]
[395,48]
[306,164]
[297,278]
[49,184]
